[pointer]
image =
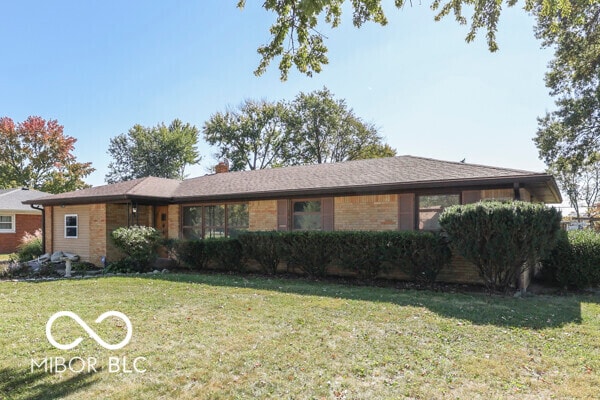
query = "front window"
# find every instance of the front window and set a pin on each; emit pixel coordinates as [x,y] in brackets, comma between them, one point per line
[7,223]
[192,222]
[307,215]
[431,207]
[214,221]
[237,219]
[71,226]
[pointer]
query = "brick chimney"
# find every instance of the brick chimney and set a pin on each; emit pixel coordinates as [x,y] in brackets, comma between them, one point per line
[222,167]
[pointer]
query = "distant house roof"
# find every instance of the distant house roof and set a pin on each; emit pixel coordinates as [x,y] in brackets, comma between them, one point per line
[393,174]
[11,200]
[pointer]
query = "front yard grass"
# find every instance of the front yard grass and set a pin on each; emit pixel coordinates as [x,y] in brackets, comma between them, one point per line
[224,337]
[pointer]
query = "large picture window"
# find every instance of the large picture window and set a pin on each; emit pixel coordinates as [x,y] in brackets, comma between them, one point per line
[307,215]
[431,207]
[7,223]
[192,223]
[238,219]
[214,221]
[71,227]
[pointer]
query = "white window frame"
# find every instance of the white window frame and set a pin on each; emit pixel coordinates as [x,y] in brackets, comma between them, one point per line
[13,223]
[76,226]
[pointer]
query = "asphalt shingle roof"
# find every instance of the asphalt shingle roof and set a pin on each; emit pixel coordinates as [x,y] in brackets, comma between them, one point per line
[393,173]
[12,199]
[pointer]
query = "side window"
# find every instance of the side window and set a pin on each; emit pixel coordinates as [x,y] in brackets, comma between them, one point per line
[7,224]
[431,207]
[307,215]
[71,227]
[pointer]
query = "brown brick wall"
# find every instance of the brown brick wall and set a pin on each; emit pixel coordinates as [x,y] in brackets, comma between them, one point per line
[116,217]
[174,219]
[23,223]
[262,215]
[366,213]
[98,236]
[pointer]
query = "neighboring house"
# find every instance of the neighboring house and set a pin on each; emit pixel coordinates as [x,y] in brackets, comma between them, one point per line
[17,218]
[397,193]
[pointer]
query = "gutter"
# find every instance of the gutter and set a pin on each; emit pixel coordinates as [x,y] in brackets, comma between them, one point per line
[43,226]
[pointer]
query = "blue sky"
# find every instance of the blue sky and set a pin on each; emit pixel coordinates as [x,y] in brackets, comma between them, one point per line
[100,67]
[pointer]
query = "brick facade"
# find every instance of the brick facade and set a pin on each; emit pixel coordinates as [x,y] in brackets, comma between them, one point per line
[23,223]
[366,213]
[262,215]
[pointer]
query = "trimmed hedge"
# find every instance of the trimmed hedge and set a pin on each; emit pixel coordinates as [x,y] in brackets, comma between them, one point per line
[312,251]
[501,238]
[191,253]
[575,260]
[420,255]
[226,253]
[364,253]
[264,247]
[368,254]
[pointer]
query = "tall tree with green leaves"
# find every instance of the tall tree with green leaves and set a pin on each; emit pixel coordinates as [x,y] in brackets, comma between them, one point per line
[251,137]
[570,135]
[324,129]
[158,151]
[297,38]
[568,138]
[37,154]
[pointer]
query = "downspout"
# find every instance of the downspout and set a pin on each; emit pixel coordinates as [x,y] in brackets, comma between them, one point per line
[43,226]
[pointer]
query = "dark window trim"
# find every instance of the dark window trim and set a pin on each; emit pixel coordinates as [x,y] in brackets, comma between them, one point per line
[291,212]
[432,193]
[203,208]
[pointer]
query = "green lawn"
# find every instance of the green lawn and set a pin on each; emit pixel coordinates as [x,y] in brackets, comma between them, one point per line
[4,257]
[223,337]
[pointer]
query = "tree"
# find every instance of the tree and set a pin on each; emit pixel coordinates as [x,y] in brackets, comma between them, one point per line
[295,38]
[252,137]
[324,130]
[37,154]
[569,137]
[582,186]
[159,151]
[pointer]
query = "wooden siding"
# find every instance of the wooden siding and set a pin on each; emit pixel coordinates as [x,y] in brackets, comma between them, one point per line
[498,194]
[79,245]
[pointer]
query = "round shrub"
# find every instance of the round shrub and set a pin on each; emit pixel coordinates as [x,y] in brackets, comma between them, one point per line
[139,243]
[501,238]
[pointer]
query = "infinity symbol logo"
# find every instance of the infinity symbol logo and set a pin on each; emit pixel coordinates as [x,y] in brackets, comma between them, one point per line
[89,330]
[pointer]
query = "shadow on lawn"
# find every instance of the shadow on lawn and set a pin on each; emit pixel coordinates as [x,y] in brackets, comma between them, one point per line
[536,312]
[24,384]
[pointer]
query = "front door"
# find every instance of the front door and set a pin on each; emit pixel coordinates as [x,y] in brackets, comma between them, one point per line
[161,224]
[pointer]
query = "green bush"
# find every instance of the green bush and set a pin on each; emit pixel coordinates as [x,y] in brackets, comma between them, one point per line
[421,255]
[363,253]
[191,253]
[264,247]
[226,253]
[139,243]
[30,246]
[310,251]
[575,260]
[500,238]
